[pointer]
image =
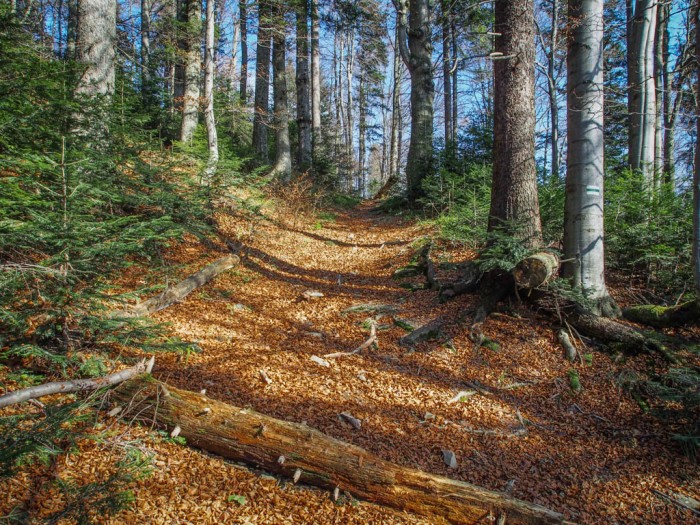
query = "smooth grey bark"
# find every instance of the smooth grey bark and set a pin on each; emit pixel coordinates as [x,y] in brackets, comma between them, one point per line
[395,114]
[696,171]
[304,122]
[146,82]
[243,15]
[641,85]
[362,135]
[212,137]
[315,80]
[552,92]
[262,83]
[180,44]
[455,84]
[283,155]
[416,50]
[661,21]
[96,25]
[583,217]
[193,66]
[514,201]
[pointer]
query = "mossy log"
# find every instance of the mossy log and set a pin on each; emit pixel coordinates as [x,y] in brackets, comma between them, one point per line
[663,316]
[536,270]
[299,452]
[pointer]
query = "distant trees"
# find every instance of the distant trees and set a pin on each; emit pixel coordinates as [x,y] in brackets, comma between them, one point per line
[192,68]
[283,155]
[262,81]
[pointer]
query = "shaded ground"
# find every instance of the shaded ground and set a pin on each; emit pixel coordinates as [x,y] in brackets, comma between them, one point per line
[594,456]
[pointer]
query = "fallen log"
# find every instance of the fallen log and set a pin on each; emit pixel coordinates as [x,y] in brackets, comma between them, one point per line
[663,316]
[299,452]
[536,270]
[180,290]
[75,385]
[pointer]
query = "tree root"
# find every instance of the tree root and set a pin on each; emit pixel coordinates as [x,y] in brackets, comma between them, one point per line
[663,316]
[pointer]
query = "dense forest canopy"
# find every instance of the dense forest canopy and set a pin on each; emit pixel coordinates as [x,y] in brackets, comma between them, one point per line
[550,150]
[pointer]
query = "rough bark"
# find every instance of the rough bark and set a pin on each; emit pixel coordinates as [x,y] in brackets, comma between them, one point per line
[181,290]
[212,138]
[243,15]
[583,216]
[283,153]
[304,454]
[696,171]
[76,385]
[262,83]
[193,66]
[416,50]
[304,122]
[447,70]
[659,67]
[315,81]
[536,270]
[180,44]
[514,201]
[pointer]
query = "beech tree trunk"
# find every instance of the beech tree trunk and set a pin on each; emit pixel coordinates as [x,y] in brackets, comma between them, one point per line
[283,154]
[416,50]
[641,31]
[552,91]
[262,82]
[514,200]
[583,217]
[193,65]
[146,82]
[178,87]
[243,14]
[447,70]
[304,454]
[212,138]
[304,122]
[315,81]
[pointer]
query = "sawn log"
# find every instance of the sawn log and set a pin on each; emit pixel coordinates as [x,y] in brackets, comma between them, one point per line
[297,451]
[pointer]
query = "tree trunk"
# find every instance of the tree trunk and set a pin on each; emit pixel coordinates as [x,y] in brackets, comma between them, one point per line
[696,171]
[262,82]
[455,90]
[243,14]
[96,38]
[193,65]
[146,82]
[283,154]
[552,91]
[668,125]
[393,177]
[95,52]
[416,50]
[536,270]
[663,317]
[583,221]
[304,122]
[642,87]
[659,87]
[304,454]
[315,81]
[212,138]
[362,134]
[514,201]
[447,70]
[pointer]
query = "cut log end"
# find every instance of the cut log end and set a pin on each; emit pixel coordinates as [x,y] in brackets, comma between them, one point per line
[536,270]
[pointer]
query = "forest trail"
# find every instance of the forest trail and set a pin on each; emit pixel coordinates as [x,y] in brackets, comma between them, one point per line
[593,456]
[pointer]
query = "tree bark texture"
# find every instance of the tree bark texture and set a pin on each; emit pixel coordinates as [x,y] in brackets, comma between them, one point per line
[193,66]
[416,50]
[262,82]
[536,270]
[146,82]
[447,70]
[287,448]
[209,62]
[583,217]
[181,44]
[243,15]
[696,171]
[514,200]
[641,85]
[283,153]
[315,80]
[304,122]
[96,38]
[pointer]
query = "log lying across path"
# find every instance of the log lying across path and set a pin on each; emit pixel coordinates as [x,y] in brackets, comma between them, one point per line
[302,453]
[180,290]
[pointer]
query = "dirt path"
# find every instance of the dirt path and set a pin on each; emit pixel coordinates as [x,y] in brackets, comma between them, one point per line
[593,456]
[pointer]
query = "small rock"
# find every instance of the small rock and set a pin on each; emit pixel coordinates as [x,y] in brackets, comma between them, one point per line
[320,361]
[361,376]
[428,416]
[311,295]
[353,421]
[449,458]
[239,307]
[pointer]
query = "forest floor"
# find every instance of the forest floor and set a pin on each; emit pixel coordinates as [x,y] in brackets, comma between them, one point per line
[594,456]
